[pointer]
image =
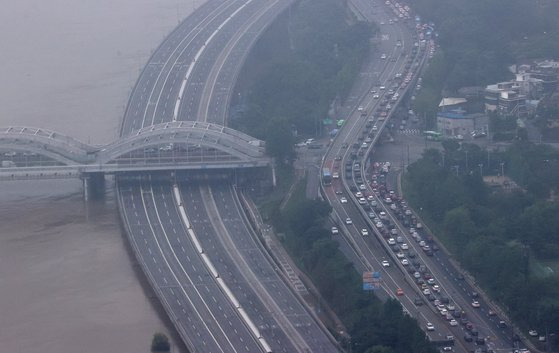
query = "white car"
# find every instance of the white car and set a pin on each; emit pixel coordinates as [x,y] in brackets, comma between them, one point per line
[430,327]
[363,187]
[453,322]
[391,241]
[475,304]
[358,194]
[364,232]
[335,230]
[348,221]
[404,246]
[360,108]
[379,225]
[383,56]
[336,175]
[376,96]
[400,255]
[426,291]
[362,201]
[343,200]
[385,263]
[405,262]
[436,288]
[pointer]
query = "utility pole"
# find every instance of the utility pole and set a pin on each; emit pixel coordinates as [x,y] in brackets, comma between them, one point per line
[480,169]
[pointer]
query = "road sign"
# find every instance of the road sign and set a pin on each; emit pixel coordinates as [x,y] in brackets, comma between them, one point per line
[371,280]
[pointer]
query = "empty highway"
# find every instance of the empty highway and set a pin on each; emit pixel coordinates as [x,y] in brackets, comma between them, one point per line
[218,286]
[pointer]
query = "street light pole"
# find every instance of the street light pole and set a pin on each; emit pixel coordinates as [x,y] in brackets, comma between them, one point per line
[480,169]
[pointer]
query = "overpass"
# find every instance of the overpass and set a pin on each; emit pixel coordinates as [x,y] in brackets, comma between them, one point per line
[34,153]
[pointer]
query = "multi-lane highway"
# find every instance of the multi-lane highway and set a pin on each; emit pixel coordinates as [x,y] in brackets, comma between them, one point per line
[348,157]
[216,283]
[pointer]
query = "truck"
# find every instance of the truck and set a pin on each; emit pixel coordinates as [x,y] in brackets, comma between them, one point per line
[326,176]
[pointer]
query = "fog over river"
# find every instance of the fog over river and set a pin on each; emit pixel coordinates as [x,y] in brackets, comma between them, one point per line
[67,282]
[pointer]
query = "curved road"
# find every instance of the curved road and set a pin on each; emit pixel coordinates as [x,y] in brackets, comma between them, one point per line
[184,234]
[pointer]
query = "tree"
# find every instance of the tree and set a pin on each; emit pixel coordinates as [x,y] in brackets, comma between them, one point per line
[160,343]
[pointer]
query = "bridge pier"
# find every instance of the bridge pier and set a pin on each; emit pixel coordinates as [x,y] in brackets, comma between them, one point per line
[93,185]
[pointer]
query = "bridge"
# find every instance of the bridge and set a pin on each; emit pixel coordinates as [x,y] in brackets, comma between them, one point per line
[34,153]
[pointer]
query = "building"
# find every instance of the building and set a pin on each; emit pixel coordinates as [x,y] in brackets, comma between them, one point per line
[505,99]
[457,124]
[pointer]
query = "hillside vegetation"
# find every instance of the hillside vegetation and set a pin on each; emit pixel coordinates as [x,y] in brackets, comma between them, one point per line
[504,238]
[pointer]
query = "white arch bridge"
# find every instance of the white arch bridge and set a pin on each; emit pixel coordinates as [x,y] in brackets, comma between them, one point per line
[33,153]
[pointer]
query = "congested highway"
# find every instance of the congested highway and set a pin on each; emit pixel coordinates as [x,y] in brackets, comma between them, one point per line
[216,283]
[369,216]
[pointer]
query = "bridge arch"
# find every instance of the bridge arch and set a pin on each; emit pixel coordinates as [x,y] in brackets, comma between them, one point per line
[60,148]
[233,143]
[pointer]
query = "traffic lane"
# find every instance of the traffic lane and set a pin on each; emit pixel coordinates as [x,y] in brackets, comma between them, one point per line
[263,269]
[215,109]
[160,274]
[162,54]
[211,51]
[229,272]
[186,49]
[221,318]
[375,254]
[447,286]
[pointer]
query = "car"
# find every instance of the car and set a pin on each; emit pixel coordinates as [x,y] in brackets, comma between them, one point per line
[453,322]
[362,201]
[360,108]
[436,288]
[362,187]
[364,232]
[405,262]
[336,175]
[382,88]
[379,224]
[376,96]
[491,313]
[502,324]
[383,56]
[475,304]
[431,281]
[430,327]
[399,292]
[447,349]
[533,333]
[426,291]
[385,263]
[348,221]
[405,246]
[339,192]
[335,230]
[359,194]
[443,312]
[400,255]
[343,200]
[391,241]
[417,274]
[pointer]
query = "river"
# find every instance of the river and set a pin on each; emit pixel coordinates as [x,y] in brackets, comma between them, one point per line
[67,280]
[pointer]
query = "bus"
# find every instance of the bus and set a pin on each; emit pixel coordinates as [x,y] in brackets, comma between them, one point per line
[326,176]
[432,135]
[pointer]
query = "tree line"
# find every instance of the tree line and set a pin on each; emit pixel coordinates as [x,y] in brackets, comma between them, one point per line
[309,56]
